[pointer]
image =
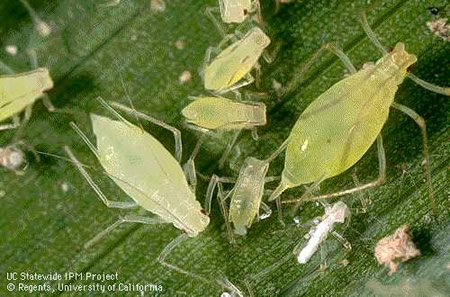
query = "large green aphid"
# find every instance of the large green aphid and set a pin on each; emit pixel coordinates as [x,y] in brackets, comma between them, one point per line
[230,69]
[338,128]
[145,170]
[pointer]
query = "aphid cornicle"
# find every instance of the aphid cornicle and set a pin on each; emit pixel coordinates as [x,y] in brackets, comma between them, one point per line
[324,143]
[227,70]
[145,170]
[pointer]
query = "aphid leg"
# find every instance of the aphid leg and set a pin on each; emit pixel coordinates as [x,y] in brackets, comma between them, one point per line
[189,166]
[279,211]
[95,187]
[267,211]
[257,75]
[323,258]
[210,13]
[431,87]
[6,68]
[26,118]
[342,240]
[298,76]
[423,128]
[221,198]
[269,56]
[363,200]
[226,283]
[120,221]
[269,179]
[9,126]
[228,148]
[175,131]
[381,178]
[224,210]
[255,134]
[308,192]
[169,248]
[256,6]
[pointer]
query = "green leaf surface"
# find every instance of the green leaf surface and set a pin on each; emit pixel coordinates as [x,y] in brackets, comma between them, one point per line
[49,213]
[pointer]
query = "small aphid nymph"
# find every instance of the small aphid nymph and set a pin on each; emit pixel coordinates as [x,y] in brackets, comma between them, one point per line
[227,70]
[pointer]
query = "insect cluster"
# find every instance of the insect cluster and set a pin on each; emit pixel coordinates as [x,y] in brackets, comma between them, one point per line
[322,144]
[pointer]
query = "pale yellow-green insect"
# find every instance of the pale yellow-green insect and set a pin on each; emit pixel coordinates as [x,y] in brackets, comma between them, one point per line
[19,91]
[145,170]
[230,69]
[337,129]
[217,114]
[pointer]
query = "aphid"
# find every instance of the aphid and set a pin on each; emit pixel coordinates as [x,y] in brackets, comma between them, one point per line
[219,114]
[324,143]
[337,213]
[237,11]
[40,26]
[246,195]
[19,91]
[231,68]
[145,170]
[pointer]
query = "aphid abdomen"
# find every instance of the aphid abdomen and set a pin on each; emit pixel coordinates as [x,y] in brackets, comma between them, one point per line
[336,130]
[20,90]
[221,113]
[247,195]
[148,173]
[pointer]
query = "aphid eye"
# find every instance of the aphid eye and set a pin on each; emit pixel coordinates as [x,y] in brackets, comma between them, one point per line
[411,67]
[245,11]
[390,49]
[203,211]
[433,10]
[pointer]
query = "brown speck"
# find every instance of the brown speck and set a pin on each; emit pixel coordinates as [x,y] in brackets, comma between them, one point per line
[396,248]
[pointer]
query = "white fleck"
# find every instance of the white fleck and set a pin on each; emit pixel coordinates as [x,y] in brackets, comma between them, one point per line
[225,294]
[185,77]
[109,153]
[179,44]
[305,145]
[133,37]
[65,187]
[43,28]
[276,85]
[157,5]
[2,193]
[11,49]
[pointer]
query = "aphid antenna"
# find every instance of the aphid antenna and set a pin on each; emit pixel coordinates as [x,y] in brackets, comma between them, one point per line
[127,95]
[111,110]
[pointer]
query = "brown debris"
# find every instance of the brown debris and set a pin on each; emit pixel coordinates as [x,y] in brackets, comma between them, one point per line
[394,249]
[440,28]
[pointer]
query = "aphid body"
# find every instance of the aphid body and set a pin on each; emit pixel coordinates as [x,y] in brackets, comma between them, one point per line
[234,62]
[17,91]
[214,113]
[337,128]
[144,169]
[337,213]
[247,194]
